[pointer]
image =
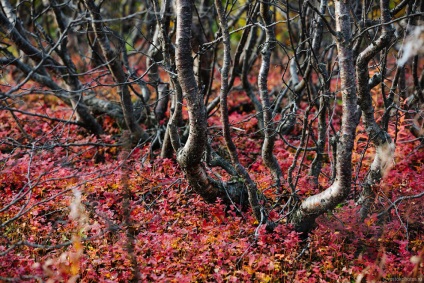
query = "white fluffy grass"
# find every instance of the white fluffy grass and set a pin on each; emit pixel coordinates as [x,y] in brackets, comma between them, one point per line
[384,158]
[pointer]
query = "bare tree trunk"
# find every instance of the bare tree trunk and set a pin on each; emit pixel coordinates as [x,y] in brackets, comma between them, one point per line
[247,86]
[269,131]
[115,66]
[154,55]
[323,100]
[202,32]
[72,80]
[231,148]
[384,146]
[171,140]
[190,156]
[242,44]
[304,217]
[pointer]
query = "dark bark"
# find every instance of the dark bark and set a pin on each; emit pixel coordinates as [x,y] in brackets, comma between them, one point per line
[252,190]
[95,104]
[380,138]
[202,33]
[154,56]
[114,64]
[71,79]
[316,165]
[45,60]
[162,101]
[245,38]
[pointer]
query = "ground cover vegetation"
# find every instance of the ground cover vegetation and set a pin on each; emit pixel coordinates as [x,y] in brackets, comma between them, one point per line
[211,141]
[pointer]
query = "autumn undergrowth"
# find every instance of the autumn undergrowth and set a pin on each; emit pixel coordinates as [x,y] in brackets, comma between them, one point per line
[62,212]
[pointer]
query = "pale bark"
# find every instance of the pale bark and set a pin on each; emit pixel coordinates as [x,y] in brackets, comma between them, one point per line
[171,141]
[190,155]
[304,217]
[247,86]
[269,131]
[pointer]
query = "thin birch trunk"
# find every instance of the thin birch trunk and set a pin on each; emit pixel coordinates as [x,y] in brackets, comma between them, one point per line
[269,131]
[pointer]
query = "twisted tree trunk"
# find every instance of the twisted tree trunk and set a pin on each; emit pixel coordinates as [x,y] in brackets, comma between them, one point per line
[190,156]
[231,148]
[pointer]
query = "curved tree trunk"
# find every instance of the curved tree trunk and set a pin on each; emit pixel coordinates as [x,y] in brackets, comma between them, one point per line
[190,156]
[304,217]
[316,164]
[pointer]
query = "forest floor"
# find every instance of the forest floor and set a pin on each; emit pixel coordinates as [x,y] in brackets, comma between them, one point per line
[76,208]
